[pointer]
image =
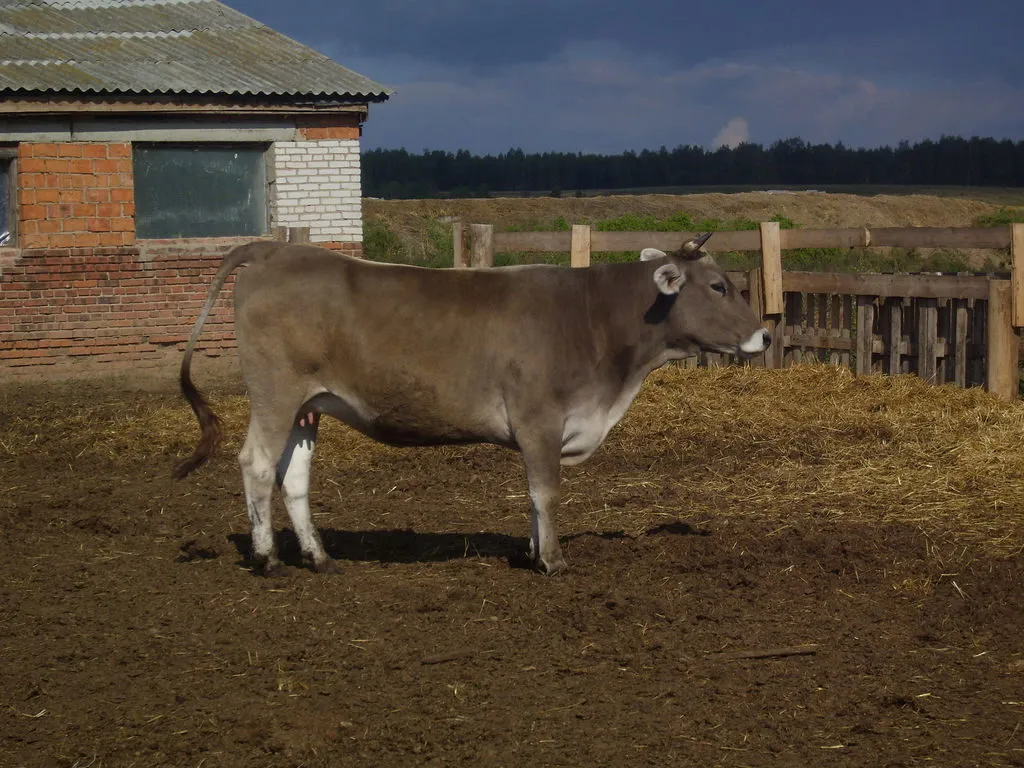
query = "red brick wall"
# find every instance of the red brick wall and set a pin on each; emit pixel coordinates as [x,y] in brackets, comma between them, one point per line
[81,291]
[75,195]
[128,305]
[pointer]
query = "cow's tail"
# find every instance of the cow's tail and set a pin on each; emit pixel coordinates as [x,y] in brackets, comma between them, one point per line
[208,421]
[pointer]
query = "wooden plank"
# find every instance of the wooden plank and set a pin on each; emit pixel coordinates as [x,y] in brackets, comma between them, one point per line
[824,238]
[771,267]
[1003,343]
[923,286]
[460,256]
[750,240]
[1017,275]
[506,242]
[671,241]
[865,335]
[940,237]
[879,346]
[960,342]
[280,233]
[482,245]
[927,336]
[579,249]
[894,331]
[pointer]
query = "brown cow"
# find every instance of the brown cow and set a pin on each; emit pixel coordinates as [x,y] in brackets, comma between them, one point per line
[541,359]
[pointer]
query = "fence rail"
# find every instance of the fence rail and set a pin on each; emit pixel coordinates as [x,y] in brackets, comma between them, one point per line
[948,329]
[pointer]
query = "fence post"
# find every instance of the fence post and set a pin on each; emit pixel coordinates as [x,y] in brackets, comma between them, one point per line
[298,234]
[459,260]
[769,279]
[771,267]
[1017,274]
[482,247]
[579,253]
[1002,341]
[280,233]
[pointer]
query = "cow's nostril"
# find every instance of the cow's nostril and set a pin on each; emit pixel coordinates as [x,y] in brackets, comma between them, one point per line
[767,338]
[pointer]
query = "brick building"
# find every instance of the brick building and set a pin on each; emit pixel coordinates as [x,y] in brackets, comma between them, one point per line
[139,141]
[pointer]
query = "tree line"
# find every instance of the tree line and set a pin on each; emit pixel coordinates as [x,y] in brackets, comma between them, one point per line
[952,160]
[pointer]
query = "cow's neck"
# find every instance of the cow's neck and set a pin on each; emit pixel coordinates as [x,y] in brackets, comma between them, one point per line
[630,346]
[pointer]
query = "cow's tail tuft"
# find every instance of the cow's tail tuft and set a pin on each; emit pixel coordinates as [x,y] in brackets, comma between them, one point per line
[209,424]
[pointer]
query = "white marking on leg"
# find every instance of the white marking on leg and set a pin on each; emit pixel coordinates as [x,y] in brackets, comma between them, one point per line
[294,472]
[258,479]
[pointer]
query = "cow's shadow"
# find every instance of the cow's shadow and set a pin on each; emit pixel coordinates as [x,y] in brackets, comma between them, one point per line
[410,546]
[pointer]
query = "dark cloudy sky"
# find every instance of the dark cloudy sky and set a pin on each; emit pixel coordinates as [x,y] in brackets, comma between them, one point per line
[581,75]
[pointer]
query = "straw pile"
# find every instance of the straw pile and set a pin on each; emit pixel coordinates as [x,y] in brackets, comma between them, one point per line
[810,441]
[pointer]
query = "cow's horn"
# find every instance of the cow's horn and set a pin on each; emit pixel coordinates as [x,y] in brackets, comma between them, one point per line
[691,247]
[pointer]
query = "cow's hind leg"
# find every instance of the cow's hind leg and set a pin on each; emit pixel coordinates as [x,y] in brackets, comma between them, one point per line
[293,472]
[543,474]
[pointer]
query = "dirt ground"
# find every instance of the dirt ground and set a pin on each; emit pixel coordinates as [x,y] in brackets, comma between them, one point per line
[133,634]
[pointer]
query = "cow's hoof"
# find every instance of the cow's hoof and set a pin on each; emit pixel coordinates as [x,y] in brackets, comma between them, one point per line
[327,565]
[551,566]
[267,565]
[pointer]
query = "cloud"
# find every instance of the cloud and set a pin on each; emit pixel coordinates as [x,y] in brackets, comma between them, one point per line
[603,96]
[733,133]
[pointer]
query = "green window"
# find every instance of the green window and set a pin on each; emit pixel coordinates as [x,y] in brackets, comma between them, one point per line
[200,190]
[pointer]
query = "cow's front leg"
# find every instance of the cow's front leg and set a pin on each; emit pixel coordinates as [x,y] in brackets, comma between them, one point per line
[543,470]
[293,476]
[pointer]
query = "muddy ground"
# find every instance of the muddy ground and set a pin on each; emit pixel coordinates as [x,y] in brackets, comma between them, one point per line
[132,632]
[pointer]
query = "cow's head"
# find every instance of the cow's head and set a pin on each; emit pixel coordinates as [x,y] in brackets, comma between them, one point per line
[700,306]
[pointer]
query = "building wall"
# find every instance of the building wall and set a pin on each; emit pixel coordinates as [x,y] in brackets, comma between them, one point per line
[82,291]
[317,184]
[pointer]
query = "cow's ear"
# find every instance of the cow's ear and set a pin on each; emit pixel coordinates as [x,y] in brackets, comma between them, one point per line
[648,254]
[669,278]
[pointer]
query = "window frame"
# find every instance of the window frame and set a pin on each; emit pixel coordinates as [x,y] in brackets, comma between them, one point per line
[9,154]
[265,148]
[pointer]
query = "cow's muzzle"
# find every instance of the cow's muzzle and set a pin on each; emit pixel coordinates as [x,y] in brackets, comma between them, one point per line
[759,341]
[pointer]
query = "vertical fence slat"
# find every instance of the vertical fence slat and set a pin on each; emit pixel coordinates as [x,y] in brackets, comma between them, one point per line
[865,333]
[927,335]
[959,342]
[794,326]
[846,331]
[835,326]
[894,332]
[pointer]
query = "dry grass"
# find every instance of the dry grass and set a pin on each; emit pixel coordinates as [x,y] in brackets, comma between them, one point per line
[778,445]
[806,209]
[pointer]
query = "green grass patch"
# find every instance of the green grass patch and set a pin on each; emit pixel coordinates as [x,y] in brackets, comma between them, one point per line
[1001,218]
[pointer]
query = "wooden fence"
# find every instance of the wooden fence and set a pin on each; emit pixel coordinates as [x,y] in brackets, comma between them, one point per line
[948,329]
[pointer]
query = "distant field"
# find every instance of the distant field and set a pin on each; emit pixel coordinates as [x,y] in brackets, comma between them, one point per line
[1009,196]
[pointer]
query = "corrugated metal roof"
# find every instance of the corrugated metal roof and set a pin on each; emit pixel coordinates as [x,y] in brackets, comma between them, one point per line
[161,46]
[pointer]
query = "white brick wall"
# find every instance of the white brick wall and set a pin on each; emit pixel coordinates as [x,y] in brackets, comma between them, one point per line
[317,185]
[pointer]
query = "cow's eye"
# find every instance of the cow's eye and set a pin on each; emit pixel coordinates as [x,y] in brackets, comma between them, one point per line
[719,287]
